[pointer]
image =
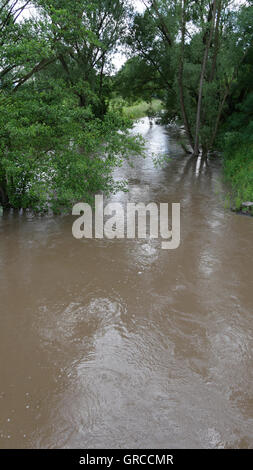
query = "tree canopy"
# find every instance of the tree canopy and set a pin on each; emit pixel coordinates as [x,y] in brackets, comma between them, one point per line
[60,138]
[197,50]
[59,141]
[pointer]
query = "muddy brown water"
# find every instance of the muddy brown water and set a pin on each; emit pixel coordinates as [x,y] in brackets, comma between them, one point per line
[120,344]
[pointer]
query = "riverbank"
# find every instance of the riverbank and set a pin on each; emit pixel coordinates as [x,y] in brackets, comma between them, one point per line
[237,166]
[238,169]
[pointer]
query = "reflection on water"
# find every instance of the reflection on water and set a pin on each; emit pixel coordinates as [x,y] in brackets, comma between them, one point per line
[122,344]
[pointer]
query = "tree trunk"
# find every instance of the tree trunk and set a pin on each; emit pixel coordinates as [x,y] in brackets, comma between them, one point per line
[217,122]
[162,26]
[82,100]
[3,196]
[216,40]
[202,77]
[181,78]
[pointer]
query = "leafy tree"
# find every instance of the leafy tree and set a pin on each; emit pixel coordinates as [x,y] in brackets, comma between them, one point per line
[138,80]
[59,142]
[197,48]
[236,132]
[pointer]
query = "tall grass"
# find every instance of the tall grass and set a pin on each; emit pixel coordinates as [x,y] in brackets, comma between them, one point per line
[139,110]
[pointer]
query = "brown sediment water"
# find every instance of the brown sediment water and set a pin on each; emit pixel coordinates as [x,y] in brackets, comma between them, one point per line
[120,344]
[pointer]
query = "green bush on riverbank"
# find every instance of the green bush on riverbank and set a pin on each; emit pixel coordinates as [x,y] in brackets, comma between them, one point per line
[238,166]
[137,110]
[238,151]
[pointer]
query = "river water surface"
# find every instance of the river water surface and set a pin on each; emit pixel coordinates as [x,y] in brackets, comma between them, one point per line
[120,344]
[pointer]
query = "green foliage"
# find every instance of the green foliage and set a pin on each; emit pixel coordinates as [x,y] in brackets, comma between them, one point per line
[137,80]
[236,134]
[141,109]
[239,172]
[59,143]
[55,152]
[156,42]
[64,117]
[238,150]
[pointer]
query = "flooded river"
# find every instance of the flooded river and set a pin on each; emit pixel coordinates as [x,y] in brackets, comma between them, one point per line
[120,344]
